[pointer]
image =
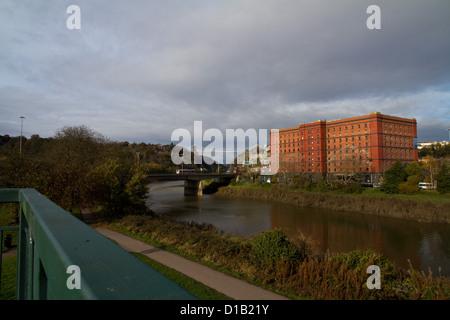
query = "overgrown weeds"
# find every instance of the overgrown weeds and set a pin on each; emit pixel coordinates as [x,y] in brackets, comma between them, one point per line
[291,265]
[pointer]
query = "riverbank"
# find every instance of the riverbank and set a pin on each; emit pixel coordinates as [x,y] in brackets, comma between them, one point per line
[287,265]
[418,210]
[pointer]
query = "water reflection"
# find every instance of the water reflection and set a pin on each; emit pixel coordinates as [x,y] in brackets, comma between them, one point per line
[426,245]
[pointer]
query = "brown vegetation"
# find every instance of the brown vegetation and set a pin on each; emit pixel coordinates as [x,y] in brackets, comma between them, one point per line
[288,265]
[423,211]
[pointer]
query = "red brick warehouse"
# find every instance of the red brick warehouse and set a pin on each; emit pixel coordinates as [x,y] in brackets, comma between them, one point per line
[366,145]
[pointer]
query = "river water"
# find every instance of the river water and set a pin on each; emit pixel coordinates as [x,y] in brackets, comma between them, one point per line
[425,245]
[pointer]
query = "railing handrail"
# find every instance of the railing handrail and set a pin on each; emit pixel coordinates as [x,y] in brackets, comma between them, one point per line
[51,240]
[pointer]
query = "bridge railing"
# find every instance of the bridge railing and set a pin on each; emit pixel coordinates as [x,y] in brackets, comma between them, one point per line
[60,257]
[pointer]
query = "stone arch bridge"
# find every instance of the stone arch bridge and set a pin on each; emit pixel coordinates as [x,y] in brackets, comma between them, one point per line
[193,182]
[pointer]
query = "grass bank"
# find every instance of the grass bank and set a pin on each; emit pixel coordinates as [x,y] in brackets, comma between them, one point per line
[8,282]
[286,265]
[423,207]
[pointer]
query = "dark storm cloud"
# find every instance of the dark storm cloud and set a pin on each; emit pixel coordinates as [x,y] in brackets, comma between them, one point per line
[138,70]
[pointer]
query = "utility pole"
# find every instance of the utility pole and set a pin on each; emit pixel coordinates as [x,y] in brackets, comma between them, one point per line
[21,130]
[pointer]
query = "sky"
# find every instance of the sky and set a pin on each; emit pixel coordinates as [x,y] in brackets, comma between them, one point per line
[137,70]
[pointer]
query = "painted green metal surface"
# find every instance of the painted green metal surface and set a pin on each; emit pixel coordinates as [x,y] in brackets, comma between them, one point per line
[51,240]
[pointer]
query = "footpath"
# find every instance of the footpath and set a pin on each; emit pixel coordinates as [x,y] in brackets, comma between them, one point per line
[228,285]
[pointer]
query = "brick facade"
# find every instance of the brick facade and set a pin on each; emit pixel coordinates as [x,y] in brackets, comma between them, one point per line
[364,144]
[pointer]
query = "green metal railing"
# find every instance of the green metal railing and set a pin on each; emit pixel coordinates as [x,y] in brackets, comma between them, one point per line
[60,257]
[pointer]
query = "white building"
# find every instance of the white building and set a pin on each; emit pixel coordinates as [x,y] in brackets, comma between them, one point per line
[420,145]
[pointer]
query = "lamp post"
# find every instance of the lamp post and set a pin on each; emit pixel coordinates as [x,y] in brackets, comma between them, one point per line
[21,130]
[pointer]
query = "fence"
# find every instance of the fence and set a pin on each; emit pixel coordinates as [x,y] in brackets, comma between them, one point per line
[60,257]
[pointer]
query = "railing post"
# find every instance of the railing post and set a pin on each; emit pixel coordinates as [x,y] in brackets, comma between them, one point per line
[29,265]
[21,257]
[1,253]
[39,278]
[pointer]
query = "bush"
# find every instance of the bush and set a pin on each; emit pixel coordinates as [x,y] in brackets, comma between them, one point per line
[361,259]
[323,186]
[354,188]
[393,177]
[288,264]
[443,179]
[411,186]
[389,187]
[407,188]
[269,247]
[300,181]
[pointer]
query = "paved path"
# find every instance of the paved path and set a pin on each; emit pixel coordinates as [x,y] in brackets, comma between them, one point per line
[230,286]
[9,253]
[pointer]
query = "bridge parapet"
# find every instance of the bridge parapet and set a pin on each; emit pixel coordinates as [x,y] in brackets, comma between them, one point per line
[52,244]
[190,176]
[193,182]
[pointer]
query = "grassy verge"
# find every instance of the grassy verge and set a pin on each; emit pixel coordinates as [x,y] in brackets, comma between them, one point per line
[201,243]
[8,284]
[196,288]
[7,218]
[427,206]
[290,266]
[424,195]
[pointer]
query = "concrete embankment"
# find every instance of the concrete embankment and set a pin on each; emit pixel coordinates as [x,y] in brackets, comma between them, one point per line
[422,211]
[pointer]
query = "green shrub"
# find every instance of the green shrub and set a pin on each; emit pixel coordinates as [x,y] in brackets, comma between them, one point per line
[443,179]
[300,181]
[407,188]
[323,186]
[411,186]
[269,247]
[393,177]
[353,188]
[361,259]
[389,187]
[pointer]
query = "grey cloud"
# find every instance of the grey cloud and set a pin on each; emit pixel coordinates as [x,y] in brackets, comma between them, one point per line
[140,69]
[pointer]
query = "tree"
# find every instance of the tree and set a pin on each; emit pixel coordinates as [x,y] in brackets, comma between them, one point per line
[75,152]
[121,187]
[24,172]
[431,165]
[352,160]
[414,175]
[79,167]
[443,179]
[393,177]
[414,169]
[137,190]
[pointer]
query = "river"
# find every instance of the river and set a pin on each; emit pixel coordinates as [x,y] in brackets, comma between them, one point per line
[426,245]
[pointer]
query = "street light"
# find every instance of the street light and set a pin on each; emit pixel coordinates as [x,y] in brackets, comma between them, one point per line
[21,130]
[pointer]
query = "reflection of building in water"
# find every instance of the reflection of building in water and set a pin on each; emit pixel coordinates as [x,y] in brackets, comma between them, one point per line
[398,240]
